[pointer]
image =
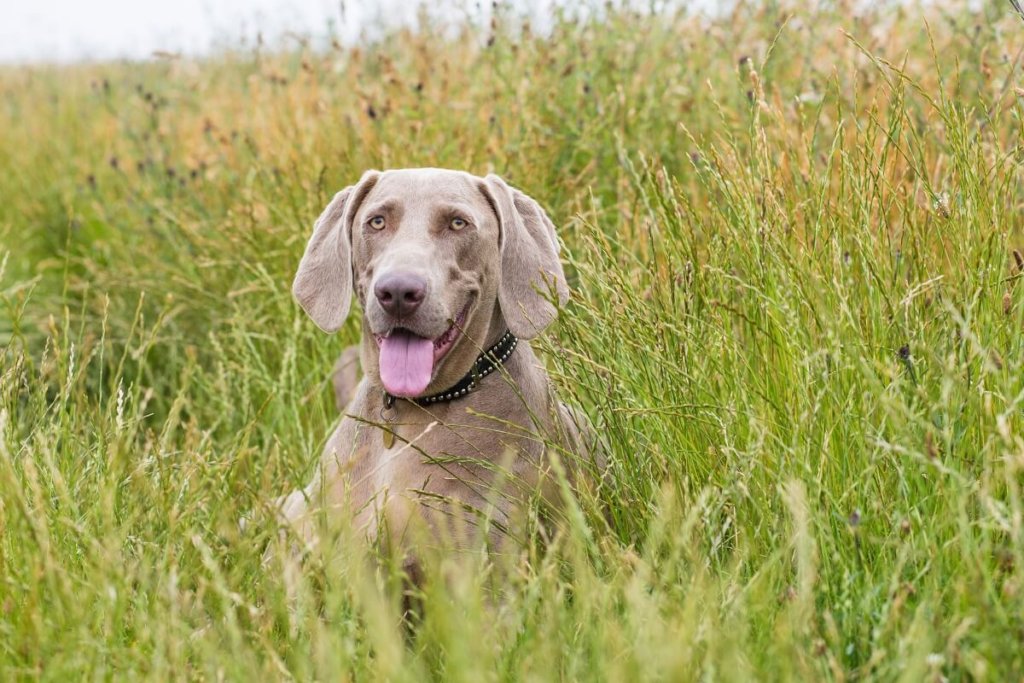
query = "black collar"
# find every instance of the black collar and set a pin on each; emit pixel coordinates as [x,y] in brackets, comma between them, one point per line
[486,363]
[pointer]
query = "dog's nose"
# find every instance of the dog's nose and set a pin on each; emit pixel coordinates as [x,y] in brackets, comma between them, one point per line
[400,294]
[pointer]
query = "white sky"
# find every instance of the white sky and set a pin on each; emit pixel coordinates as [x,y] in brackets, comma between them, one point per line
[71,30]
[67,30]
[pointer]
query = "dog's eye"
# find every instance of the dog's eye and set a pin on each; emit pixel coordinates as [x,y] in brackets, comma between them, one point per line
[458,223]
[377,222]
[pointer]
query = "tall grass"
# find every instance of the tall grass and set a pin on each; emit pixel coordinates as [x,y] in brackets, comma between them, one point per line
[795,244]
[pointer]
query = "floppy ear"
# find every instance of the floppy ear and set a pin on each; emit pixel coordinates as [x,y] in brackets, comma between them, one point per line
[530,268]
[323,283]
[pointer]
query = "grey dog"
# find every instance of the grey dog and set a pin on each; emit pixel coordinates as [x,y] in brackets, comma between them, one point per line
[453,422]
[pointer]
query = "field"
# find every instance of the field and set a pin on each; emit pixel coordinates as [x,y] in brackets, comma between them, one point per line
[794,240]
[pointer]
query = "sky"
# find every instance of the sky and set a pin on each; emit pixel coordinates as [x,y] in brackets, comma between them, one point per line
[71,30]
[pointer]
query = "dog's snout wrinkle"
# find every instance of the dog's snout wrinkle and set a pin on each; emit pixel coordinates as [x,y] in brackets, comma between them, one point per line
[400,294]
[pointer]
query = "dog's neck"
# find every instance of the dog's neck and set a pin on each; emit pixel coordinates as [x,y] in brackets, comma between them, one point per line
[496,328]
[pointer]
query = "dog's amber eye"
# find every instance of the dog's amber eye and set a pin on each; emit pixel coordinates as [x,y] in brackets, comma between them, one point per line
[377,222]
[458,223]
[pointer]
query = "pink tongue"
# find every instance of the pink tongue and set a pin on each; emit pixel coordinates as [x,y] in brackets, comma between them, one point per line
[406,363]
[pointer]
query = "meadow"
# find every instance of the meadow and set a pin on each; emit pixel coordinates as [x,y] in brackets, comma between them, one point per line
[794,239]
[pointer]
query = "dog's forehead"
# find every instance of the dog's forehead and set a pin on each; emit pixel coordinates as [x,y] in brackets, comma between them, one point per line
[427,186]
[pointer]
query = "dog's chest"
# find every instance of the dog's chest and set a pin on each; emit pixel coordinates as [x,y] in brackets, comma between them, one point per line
[459,455]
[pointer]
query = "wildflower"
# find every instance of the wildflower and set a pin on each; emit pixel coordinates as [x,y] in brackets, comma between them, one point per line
[809,97]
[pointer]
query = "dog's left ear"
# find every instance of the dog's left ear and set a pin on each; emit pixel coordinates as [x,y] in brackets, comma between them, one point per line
[323,282]
[530,269]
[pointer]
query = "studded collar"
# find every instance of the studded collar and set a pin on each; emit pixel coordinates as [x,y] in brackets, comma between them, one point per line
[486,363]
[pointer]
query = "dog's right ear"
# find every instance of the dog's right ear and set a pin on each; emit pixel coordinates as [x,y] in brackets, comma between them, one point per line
[530,269]
[323,283]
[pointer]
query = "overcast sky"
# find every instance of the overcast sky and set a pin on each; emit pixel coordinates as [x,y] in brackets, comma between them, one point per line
[68,30]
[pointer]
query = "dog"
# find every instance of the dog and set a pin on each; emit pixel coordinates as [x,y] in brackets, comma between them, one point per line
[454,426]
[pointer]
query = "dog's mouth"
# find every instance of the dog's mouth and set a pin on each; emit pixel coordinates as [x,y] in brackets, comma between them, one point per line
[407,360]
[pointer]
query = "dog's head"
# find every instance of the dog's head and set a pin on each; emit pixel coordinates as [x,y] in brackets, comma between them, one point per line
[438,260]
